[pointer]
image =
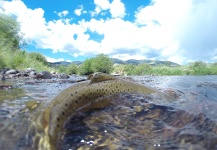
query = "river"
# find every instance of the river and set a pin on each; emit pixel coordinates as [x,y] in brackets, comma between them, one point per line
[132,121]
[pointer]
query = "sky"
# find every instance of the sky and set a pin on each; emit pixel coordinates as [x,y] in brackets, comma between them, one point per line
[181,31]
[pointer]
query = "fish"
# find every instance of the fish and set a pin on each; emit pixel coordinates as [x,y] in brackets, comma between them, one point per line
[91,94]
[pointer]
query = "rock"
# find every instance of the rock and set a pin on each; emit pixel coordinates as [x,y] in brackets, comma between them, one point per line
[2,71]
[55,75]
[2,86]
[53,72]
[22,74]
[44,75]
[28,70]
[32,73]
[63,76]
[2,77]
[11,71]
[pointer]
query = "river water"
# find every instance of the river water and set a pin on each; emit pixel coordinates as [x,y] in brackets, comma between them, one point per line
[132,121]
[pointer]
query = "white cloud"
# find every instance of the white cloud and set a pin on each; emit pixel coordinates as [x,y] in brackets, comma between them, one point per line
[1,3]
[116,8]
[176,30]
[128,56]
[101,5]
[62,14]
[80,10]
[49,59]
[188,23]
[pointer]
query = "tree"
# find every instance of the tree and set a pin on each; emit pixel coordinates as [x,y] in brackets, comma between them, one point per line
[38,57]
[10,32]
[2,63]
[129,69]
[72,69]
[85,68]
[102,63]
[142,69]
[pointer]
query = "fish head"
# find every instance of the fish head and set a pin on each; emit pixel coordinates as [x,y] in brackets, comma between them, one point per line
[99,77]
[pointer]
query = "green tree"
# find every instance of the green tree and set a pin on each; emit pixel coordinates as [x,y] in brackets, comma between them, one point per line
[2,62]
[85,68]
[102,63]
[10,32]
[38,57]
[142,69]
[72,69]
[17,60]
[129,69]
[198,64]
[62,69]
[200,68]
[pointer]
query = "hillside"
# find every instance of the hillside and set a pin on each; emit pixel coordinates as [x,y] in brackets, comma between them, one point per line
[118,61]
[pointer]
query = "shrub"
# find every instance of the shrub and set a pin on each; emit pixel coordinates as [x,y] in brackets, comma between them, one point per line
[72,69]
[199,68]
[38,57]
[62,69]
[9,31]
[17,60]
[102,63]
[85,68]
[129,69]
[142,69]
[2,62]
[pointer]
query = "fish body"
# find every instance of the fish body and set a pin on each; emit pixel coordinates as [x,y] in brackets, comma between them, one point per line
[81,97]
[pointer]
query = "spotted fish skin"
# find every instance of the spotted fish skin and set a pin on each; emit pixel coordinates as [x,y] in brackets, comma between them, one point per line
[81,97]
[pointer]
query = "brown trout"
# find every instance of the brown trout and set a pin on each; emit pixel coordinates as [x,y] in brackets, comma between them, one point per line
[81,97]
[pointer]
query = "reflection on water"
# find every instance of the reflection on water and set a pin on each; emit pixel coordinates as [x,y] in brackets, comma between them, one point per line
[130,122]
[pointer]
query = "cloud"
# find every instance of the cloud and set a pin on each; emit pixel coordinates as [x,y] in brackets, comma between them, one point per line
[101,5]
[1,3]
[189,24]
[80,10]
[62,14]
[179,31]
[49,59]
[116,8]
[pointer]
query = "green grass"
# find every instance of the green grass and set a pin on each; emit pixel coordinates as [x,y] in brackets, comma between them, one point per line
[196,68]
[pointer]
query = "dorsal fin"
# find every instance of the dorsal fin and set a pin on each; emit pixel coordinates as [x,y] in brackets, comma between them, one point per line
[99,77]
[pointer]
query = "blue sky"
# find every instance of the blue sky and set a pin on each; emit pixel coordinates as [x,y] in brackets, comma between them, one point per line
[177,30]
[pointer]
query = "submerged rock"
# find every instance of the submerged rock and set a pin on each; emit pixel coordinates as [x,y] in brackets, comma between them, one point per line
[3,86]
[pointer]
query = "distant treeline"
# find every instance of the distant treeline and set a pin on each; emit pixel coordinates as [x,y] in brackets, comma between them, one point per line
[12,55]
[194,68]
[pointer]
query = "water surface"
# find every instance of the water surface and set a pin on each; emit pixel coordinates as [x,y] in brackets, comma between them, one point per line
[132,121]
